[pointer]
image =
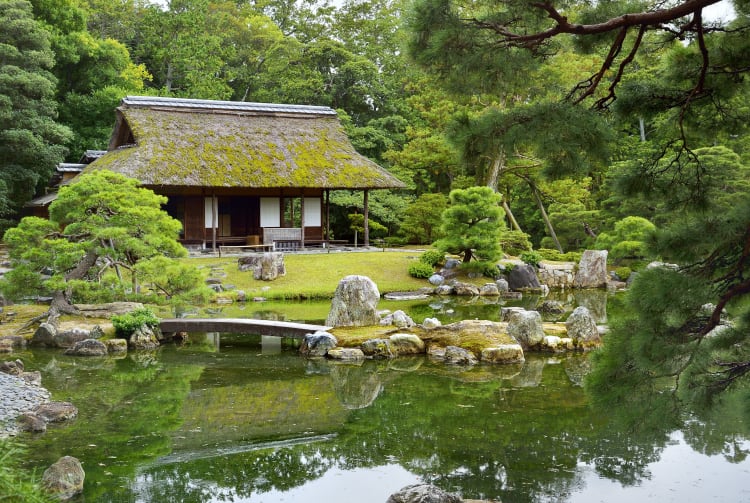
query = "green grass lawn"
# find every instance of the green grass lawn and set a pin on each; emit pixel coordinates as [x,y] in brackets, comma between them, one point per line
[315,276]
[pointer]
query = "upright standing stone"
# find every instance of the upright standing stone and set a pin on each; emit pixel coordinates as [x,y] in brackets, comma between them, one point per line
[355,303]
[592,270]
[526,328]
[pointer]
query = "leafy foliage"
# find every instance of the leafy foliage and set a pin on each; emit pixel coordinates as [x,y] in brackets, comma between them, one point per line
[472,224]
[420,270]
[432,257]
[126,324]
[102,223]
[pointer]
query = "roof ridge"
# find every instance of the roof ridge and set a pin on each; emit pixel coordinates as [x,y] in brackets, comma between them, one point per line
[189,103]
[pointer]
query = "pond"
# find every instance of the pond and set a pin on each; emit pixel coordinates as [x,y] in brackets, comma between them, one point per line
[245,421]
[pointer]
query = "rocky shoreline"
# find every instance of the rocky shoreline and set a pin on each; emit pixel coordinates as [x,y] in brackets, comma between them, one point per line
[18,395]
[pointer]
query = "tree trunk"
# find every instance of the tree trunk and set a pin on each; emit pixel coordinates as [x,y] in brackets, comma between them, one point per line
[492,177]
[545,217]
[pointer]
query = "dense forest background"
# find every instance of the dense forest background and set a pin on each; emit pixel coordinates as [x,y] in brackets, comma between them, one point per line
[440,106]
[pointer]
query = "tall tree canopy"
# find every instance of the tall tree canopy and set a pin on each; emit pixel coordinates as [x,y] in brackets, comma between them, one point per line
[665,98]
[31,141]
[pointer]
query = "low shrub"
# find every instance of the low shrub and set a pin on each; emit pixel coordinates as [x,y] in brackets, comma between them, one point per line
[531,258]
[421,270]
[488,269]
[432,257]
[515,242]
[126,324]
[623,273]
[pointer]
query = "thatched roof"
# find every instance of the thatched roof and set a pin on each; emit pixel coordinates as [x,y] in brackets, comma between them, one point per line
[177,142]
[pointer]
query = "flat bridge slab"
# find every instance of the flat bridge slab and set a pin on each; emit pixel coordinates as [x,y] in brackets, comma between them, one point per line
[262,327]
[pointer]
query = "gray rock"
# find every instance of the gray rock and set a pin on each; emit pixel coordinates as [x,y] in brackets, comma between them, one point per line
[430,323]
[526,328]
[69,338]
[582,328]
[552,307]
[423,493]
[241,296]
[377,348]
[592,270]
[444,290]
[64,479]
[346,354]
[465,289]
[31,422]
[459,356]
[502,285]
[436,279]
[265,266]
[44,335]
[452,263]
[116,345]
[317,344]
[143,338]
[88,347]
[398,319]
[504,353]
[523,277]
[34,378]
[406,344]
[56,412]
[96,333]
[489,290]
[15,341]
[355,303]
[14,368]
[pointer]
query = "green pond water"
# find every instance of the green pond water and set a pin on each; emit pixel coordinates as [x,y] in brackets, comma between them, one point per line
[243,418]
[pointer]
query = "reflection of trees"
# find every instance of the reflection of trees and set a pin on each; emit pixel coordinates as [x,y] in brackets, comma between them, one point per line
[486,433]
[125,412]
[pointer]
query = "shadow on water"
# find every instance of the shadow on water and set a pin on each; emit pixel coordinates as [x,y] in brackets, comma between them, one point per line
[202,423]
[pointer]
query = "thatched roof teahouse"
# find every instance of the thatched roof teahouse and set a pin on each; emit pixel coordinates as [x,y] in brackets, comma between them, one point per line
[237,172]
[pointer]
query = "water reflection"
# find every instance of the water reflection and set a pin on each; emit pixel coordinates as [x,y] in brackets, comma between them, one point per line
[201,423]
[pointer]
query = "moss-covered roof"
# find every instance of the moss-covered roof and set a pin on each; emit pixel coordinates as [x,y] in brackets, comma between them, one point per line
[233,144]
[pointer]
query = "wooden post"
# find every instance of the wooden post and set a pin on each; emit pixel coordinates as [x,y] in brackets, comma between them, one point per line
[302,219]
[367,215]
[214,218]
[327,237]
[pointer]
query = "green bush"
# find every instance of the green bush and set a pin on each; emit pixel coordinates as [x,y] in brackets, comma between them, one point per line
[432,257]
[420,270]
[485,268]
[628,249]
[531,258]
[623,273]
[126,324]
[514,242]
[555,256]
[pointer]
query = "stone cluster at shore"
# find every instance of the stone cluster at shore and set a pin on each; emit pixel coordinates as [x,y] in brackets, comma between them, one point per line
[18,396]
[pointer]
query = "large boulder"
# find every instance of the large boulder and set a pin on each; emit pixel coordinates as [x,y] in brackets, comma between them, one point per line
[64,479]
[398,319]
[582,329]
[465,289]
[355,303]
[523,277]
[423,493]
[592,270]
[526,328]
